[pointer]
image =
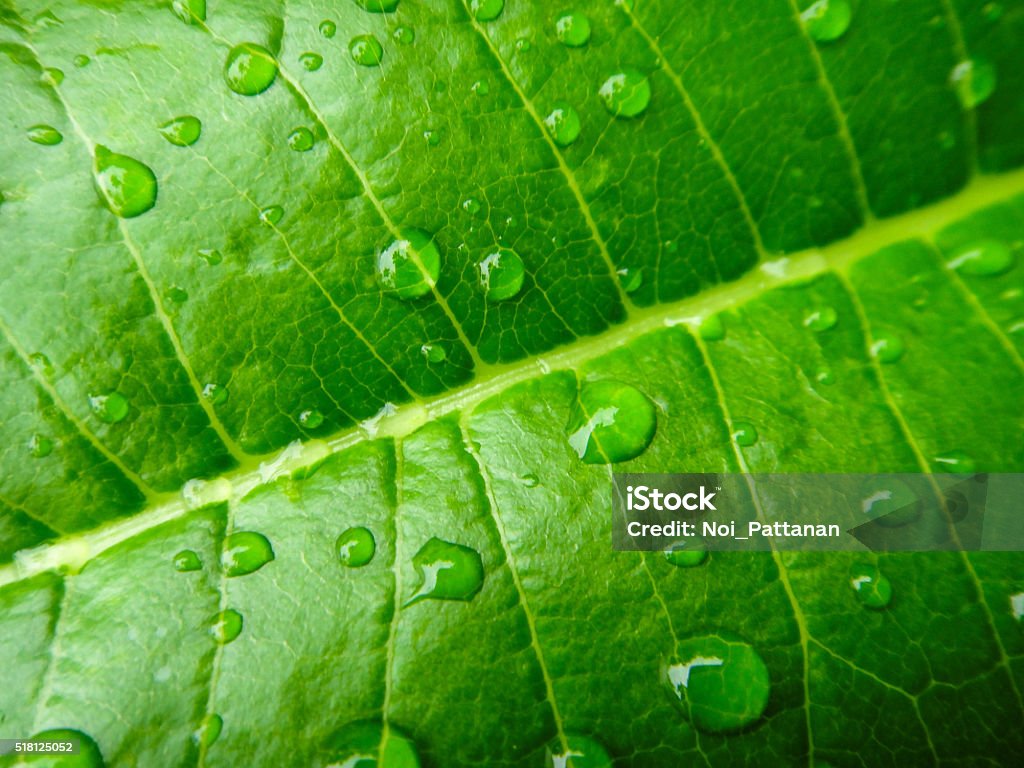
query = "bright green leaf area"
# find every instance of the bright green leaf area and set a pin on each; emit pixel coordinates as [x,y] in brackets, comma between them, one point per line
[196,343]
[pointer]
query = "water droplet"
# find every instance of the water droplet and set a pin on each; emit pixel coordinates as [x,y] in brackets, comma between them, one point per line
[41,363]
[955,462]
[447,571]
[486,10]
[404,35]
[501,274]
[182,131]
[46,135]
[88,756]
[40,446]
[227,627]
[272,214]
[126,186]
[311,419]
[524,45]
[189,11]
[362,745]
[211,256]
[611,422]
[821,319]
[355,547]
[310,61]
[187,560]
[563,123]
[986,258]
[827,20]
[216,394]
[245,552]
[711,328]
[721,682]
[887,348]
[81,60]
[992,11]
[576,752]
[530,480]
[1017,606]
[872,588]
[410,265]
[891,504]
[366,50]
[687,553]
[825,376]
[480,88]
[471,206]
[573,29]
[301,140]
[434,353]
[110,408]
[744,434]
[974,80]
[328,28]
[208,731]
[176,295]
[250,69]
[626,93]
[631,279]
[53,76]
[377,6]
[432,136]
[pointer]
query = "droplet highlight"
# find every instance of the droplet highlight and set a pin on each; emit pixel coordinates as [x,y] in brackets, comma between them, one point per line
[301,140]
[310,61]
[744,434]
[215,394]
[362,745]
[40,446]
[227,627]
[328,28]
[245,552]
[311,418]
[611,422]
[189,11]
[404,35]
[821,319]
[577,752]
[974,81]
[486,10]
[687,553]
[447,571]
[887,347]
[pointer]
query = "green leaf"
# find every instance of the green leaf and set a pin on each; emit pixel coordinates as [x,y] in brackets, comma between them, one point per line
[353,339]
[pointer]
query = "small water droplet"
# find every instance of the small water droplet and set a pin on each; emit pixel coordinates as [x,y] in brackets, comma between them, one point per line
[410,265]
[81,60]
[46,135]
[872,588]
[53,76]
[711,328]
[208,731]
[182,131]
[187,560]
[227,627]
[301,140]
[432,136]
[986,258]
[272,214]
[311,419]
[311,61]
[626,93]
[363,745]
[530,480]
[821,319]
[486,10]
[250,69]
[887,347]
[955,462]
[631,279]
[176,295]
[471,206]
[1017,606]
[501,274]
[355,547]
[211,256]
[328,28]
[377,6]
[891,504]
[721,682]
[434,353]
[576,752]
[40,446]
[825,376]
[687,553]
[447,571]
[974,80]
[216,394]
[524,45]
[41,363]
[245,552]
[189,11]
[563,123]
[827,20]
[47,20]
[88,756]
[744,434]
[126,186]
[573,29]
[404,35]
[611,422]
[480,88]
[110,408]
[366,50]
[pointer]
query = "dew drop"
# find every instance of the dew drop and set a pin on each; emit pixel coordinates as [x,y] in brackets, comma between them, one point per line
[53,76]
[88,756]
[208,731]
[563,123]
[40,446]
[825,376]
[480,88]
[1017,606]
[573,29]
[363,745]
[366,50]
[827,20]
[311,419]
[486,10]
[687,553]
[378,6]
[182,131]
[126,186]
[189,11]
[872,588]
[530,480]
[245,552]
[576,752]
[432,136]
[501,274]
[611,422]
[721,682]
[110,408]
[887,348]
[434,353]
[711,328]
[974,80]
[215,394]
[954,462]
[404,35]
[81,60]
[227,627]
[41,363]
[447,571]
[301,140]
[272,214]
[410,265]
[986,258]
[187,560]
[310,61]
[471,206]
[631,279]
[891,504]
[626,93]
[46,135]
[328,28]
[176,295]
[355,547]
[211,256]
[250,69]
[744,434]
[524,45]
[821,319]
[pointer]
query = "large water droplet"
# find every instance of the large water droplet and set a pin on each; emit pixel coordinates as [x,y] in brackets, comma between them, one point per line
[887,347]
[39,446]
[611,422]
[626,93]
[744,434]
[872,588]
[250,69]
[245,552]
[272,214]
[687,553]
[378,6]
[208,731]
[186,560]
[311,61]
[501,274]
[215,393]
[328,28]
[974,80]
[126,186]
[486,10]
[189,11]
[355,547]
[573,29]
[986,258]
[362,745]
[404,35]
[227,627]
[827,20]
[471,206]
[563,123]
[46,135]
[821,319]
[182,131]
[410,265]
[88,755]
[366,50]
[577,752]
[447,571]
[110,408]
[721,682]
